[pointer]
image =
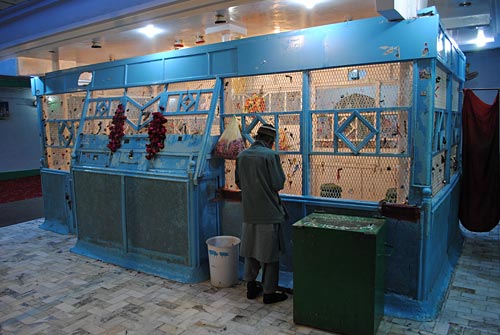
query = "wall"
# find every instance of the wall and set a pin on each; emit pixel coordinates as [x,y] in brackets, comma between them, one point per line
[486,63]
[20,147]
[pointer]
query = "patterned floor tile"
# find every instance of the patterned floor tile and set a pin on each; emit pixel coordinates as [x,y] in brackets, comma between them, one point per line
[46,289]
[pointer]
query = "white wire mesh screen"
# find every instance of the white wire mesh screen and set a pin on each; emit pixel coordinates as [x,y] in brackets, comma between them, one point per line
[274,99]
[100,110]
[359,128]
[61,119]
[378,85]
[440,89]
[360,177]
[454,159]
[263,94]
[438,172]
[360,132]
[187,107]
[455,95]
[142,102]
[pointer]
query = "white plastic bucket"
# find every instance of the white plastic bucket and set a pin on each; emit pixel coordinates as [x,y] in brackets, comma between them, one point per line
[223,257]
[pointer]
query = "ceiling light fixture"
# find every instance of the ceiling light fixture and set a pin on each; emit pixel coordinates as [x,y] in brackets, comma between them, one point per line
[309,4]
[232,27]
[220,19]
[481,40]
[178,44]
[96,44]
[150,30]
[465,4]
[199,39]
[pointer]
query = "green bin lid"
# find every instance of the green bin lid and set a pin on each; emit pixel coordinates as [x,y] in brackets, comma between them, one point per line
[341,222]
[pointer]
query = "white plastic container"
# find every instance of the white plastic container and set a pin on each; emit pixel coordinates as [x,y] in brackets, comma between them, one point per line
[223,257]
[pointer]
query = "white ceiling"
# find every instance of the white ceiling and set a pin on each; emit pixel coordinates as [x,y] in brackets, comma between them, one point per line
[120,38]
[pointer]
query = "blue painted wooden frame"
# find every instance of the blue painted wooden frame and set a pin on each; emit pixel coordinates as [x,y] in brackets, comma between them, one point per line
[368,41]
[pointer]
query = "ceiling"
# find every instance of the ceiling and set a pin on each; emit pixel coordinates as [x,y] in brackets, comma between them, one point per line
[118,37]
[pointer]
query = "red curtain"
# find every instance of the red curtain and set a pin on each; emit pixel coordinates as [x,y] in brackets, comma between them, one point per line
[480,193]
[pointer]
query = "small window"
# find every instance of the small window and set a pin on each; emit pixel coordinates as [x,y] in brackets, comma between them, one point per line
[85,78]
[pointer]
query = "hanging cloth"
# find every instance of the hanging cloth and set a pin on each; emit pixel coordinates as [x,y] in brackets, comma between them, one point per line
[479,209]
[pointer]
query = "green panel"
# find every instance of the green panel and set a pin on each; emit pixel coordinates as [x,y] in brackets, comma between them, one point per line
[98,208]
[157,218]
[11,81]
[19,174]
[339,273]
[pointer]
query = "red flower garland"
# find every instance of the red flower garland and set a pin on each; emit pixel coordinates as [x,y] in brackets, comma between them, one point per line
[156,132]
[117,129]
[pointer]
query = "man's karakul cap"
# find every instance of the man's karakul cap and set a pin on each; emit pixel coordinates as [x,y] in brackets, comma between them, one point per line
[267,129]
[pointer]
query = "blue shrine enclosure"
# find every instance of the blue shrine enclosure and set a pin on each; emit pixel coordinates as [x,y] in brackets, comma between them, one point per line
[369,119]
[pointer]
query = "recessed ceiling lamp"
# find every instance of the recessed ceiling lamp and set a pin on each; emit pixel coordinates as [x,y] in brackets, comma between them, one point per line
[481,39]
[150,30]
[465,4]
[309,4]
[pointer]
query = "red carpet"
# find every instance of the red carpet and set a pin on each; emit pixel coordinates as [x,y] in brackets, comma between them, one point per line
[20,189]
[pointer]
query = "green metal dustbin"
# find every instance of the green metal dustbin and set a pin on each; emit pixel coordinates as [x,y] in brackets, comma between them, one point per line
[338,273]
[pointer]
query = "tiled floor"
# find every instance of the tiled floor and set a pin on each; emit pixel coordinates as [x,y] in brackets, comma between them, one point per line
[45,289]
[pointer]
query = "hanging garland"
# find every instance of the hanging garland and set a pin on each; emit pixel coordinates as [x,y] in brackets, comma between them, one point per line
[156,132]
[117,129]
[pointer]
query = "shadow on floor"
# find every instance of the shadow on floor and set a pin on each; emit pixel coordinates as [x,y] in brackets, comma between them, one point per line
[21,211]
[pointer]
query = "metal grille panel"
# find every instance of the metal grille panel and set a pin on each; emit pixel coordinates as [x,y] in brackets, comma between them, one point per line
[53,107]
[191,99]
[440,136]
[440,89]
[359,128]
[360,178]
[61,119]
[292,166]
[454,159]
[191,85]
[194,125]
[157,223]
[58,158]
[263,94]
[230,168]
[378,85]
[144,93]
[359,120]
[118,92]
[455,95]
[456,127]
[382,132]
[54,196]
[438,172]
[289,132]
[94,196]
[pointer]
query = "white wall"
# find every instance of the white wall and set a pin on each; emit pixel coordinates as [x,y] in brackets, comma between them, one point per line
[20,147]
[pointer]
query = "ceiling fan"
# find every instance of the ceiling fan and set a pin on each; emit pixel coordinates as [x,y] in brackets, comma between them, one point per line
[470,75]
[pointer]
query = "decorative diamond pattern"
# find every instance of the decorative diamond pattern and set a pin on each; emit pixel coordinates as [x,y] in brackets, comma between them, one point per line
[65,132]
[252,127]
[102,108]
[188,101]
[364,131]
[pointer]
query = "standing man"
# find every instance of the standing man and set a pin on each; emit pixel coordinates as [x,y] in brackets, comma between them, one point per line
[260,177]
